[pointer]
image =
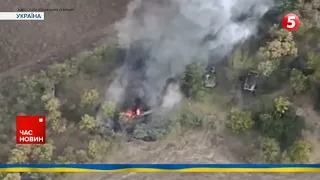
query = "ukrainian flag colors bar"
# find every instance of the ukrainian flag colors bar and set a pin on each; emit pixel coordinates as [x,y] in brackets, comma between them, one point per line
[160,168]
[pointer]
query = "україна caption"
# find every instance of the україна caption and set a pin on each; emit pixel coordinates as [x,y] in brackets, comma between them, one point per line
[44,9]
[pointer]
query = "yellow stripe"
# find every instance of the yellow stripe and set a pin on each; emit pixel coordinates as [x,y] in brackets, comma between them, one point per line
[260,170]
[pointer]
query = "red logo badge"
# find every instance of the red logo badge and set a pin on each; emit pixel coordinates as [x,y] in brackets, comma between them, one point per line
[290,22]
[30,129]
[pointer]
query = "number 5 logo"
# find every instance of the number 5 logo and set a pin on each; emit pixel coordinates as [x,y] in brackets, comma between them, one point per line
[290,22]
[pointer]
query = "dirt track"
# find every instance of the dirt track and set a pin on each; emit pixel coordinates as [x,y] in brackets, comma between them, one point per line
[201,147]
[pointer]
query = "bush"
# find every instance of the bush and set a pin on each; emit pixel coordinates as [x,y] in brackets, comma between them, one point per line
[240,121]
[299,152]
[109,109]
[98,148]
[158,128]
[190,120]
[268,150]
[268,67]
[298,81]
[192,81]
[87,123]
[285,5]
[282,104]
[285,126]
[90,97]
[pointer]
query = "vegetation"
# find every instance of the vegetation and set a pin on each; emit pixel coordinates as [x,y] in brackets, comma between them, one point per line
[299,152]
[69,94]
[281,122]
[240,121]
[192,81]
[298,81]
[44,93]
[268,150]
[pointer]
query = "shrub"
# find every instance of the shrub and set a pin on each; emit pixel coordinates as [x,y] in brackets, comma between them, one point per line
[87,123]
[192,81]
[285,126]
[282,104]
[298,81]
[299,152]
[268,150]
[190,120]
[240,121]
[109,109]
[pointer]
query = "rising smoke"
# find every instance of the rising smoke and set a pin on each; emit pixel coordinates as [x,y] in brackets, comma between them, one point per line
[164,36]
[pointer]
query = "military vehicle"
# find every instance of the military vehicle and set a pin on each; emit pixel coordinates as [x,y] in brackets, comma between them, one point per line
[210,78]
[250,83]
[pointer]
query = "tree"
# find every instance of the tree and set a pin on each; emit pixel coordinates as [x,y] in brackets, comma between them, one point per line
[282,104]
[240,121]
[313,60]
[58,125]
[298,81]
[87,123]
[284,127]
[286,5]
[52,105]
[282,45]
[97,148]
[90,97]
[17,156]
[61,71]
[268,67]
[268,150]
[300,152]
[109,109]
[31,89]
[192,81]
[42,153]
[309,11]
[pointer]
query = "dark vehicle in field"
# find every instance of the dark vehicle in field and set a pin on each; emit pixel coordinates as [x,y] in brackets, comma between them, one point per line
[250,83]
[210,78]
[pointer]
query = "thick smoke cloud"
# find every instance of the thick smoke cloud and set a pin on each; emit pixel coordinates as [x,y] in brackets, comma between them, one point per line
[171,34]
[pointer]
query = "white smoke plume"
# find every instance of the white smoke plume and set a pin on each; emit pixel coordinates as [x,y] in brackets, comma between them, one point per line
[178,32]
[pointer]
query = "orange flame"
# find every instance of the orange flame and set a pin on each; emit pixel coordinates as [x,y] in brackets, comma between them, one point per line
[132,114]
[138,112]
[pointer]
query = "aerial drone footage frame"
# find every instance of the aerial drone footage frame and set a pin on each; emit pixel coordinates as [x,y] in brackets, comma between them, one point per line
[161,86]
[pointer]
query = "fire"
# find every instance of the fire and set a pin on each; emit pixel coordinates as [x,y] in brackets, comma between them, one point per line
[138,112]
[131,113]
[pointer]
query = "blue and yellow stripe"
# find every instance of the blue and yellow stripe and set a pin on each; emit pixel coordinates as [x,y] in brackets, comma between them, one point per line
[261,168]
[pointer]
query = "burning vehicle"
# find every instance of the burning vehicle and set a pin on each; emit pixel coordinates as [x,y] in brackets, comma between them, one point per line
[137,110]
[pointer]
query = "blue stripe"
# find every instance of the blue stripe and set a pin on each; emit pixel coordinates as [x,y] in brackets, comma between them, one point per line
[157,166]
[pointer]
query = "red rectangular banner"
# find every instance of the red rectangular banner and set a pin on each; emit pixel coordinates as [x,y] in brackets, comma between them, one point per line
[30,129]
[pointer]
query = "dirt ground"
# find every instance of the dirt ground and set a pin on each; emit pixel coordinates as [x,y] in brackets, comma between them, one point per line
[197,147]
[24,44]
